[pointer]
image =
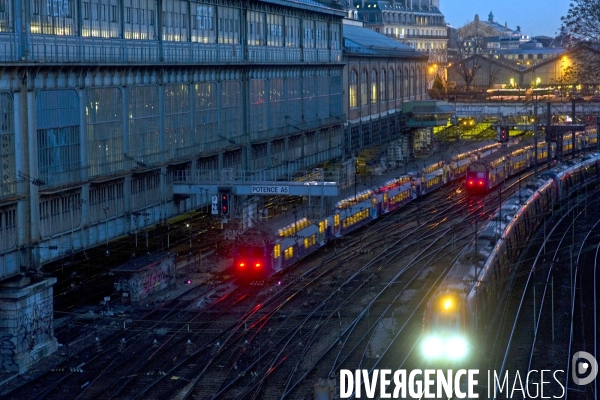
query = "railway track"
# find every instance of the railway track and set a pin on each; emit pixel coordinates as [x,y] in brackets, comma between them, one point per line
[543,329]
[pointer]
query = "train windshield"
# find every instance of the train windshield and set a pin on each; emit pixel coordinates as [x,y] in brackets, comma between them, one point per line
[477,167]
[250,252]
[446,321]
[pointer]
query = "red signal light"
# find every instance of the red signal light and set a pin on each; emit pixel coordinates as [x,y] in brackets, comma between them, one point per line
[242,265]
[257,265]
[471,183]
[480,183]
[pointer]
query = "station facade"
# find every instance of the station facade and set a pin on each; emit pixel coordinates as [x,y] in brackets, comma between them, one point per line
[104,101]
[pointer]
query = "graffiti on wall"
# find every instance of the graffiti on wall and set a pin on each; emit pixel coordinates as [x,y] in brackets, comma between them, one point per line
[140,285]
[32,328]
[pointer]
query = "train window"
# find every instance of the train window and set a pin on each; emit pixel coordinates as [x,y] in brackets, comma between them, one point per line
[277,250]
[288,253]
[250,251]
[477,167]
[310,241]
[447,320]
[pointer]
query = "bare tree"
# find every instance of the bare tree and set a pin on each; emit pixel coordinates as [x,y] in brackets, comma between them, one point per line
[468,65]
[583,19]
[585,70]
[493,70]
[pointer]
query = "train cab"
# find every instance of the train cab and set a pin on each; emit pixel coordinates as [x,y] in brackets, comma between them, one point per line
[477,177]
[444,328]
[252,261]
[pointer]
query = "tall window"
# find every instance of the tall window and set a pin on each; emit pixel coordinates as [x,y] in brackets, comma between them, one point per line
[144,130]
[274,30]
[7,140]
[100,20]
[335,36]
[256,28]
[335,94]
[292,32]
[309,86]
[258,105]
[309,34]
[203,24]
[207,115]
[229,25]
[391,84]
[5,16]
[364,91]
[323,97]
[140,19]
[382,84]
[353,89]
[104,116]
[175,20]
[178,130]
[294,100]
[231,110]
[321,35]
[276,103]
[58,136]
[53,17]
[374,84]
[399,83]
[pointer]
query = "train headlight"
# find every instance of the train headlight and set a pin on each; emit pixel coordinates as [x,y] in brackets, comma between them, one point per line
[456,348]
[433,347]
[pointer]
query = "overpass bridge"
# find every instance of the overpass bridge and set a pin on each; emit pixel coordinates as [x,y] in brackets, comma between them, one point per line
[498,109]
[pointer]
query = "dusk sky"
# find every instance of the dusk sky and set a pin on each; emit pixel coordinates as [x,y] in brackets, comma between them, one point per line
[535,17]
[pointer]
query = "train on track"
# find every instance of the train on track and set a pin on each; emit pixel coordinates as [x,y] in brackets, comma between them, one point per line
[488,172]
[458,312]
[263,250]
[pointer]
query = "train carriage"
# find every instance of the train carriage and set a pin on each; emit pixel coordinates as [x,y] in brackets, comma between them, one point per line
[477,278]
[395,194]
[261,250]
[433,177]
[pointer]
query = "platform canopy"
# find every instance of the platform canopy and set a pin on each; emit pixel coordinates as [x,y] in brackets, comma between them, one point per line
[427,113]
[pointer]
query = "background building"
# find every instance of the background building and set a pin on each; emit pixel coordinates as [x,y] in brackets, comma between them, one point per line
[105,102]
[417,23]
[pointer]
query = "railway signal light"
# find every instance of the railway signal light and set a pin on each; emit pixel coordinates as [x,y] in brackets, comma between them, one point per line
[225,204]
[503,134]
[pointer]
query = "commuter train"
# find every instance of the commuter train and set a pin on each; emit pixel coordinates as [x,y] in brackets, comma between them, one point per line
[263,250]
[458,312]
[488,172]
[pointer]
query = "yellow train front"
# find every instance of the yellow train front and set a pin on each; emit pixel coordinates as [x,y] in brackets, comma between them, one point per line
[445,328]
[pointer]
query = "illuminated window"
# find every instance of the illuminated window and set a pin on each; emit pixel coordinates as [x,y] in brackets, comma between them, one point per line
[277,251]
[353,89]
[364,81]
[288,253]
[374,95]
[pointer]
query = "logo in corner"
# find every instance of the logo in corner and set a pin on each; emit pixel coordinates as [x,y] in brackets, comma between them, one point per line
[580,367]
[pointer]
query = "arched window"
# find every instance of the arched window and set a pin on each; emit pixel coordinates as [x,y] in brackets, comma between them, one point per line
[406,87]
[353,88]
[364,81]
[374,87]
[382,84]
[399,83]
[415,79]
[391,84]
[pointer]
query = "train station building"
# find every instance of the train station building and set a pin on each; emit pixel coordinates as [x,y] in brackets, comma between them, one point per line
[105,103]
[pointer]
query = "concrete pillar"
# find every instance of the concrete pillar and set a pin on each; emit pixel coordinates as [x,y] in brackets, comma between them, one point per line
[33,172]
[26,322]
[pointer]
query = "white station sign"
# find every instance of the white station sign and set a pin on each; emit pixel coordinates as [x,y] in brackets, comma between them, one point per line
[270,189]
